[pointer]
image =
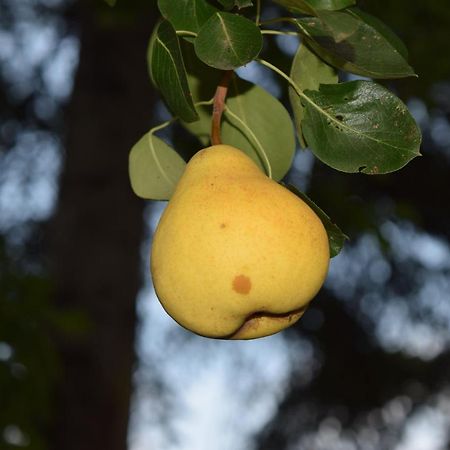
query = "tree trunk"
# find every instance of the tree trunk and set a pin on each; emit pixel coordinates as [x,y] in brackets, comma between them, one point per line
[97,231]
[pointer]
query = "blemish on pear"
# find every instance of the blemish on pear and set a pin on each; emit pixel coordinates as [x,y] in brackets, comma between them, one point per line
[242,284]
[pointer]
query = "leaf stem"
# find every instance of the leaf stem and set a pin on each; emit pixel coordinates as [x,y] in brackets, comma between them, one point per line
[205,102]
[219,106]
[175,118]
[294,85]
[163,125]
[283,33]
[302,29]
[262,153]
[277,20]
[186,33]
[153,151]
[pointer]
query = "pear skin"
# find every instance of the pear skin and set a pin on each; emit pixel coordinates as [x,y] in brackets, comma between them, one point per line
[235,254]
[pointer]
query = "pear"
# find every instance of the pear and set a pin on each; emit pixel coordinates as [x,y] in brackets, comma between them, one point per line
[235,254]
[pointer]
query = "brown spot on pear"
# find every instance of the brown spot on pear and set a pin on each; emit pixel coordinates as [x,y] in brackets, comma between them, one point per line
[242,284]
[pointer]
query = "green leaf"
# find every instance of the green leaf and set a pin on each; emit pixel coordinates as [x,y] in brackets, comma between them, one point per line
[330,5]
[382,29]
[227,4]
[154,168]
[360,126]
[230,4]
[297,6]
[265,119]
[308,71]
[111,2]
[263,116]
[203,81]
[336,237]
[227,41]
[168,73]
[347,41]
[150,48]
[187,15]
[311,7]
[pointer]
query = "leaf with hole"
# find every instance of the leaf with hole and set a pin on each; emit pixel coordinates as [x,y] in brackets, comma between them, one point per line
[168,73]
[353,42]
[154,168]
[187,15]
[308,71]
[228,41]
[360,126]
[336,237]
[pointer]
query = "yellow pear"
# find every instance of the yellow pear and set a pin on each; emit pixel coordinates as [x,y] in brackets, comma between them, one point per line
[235,254]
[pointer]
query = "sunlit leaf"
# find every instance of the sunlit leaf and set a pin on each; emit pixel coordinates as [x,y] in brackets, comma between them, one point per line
[227,41]
[267,135]
[308,71]
[168,73]
[360,126]
[154,168]
[336,237]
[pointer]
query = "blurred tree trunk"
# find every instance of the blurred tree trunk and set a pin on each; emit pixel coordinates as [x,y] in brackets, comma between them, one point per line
[97,231]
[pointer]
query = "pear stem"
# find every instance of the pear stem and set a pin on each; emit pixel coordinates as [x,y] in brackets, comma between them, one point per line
[219,106]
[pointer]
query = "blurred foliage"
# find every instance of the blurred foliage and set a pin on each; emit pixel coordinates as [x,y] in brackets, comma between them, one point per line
[28,366]
[29,363]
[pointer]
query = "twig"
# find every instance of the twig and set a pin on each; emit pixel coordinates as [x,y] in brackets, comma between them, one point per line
[218,107]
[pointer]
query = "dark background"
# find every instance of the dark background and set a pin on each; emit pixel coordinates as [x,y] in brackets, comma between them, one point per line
[367,367]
